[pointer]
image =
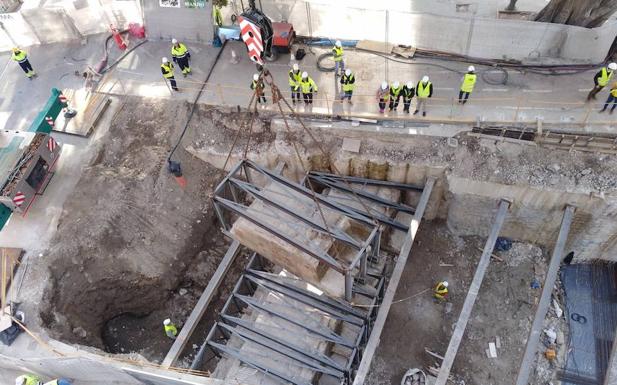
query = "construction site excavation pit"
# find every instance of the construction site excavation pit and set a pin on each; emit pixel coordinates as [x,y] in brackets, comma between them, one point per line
[142,249]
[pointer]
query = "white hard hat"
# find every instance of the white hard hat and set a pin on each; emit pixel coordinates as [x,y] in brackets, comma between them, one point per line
[304,74]
[347,72]
[165,60]
[174,41]
[396,84]
[166,322]
[338,43]
[445,283]
[256,77]
[21,380]
[384,85]
[425,79]
[471,68]
[613,66]
[409,84]
[296,67]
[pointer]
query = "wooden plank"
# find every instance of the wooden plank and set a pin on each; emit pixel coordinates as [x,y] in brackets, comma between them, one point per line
[199,309]
[384,309]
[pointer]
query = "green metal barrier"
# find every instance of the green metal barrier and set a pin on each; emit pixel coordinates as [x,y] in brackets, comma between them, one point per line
[52,109]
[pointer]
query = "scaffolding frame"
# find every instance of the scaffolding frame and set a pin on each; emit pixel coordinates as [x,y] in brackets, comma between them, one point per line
[227,198]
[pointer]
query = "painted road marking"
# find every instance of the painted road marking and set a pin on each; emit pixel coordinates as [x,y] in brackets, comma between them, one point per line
[495,90]
[540,91]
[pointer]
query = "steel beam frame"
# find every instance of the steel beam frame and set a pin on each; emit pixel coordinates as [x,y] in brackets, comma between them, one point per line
[368,182]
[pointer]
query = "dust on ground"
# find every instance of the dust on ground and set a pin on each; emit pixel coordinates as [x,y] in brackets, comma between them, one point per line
[132,247]
[504,308]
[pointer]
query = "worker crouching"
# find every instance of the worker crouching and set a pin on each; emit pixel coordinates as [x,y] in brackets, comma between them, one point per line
[308,86]
[171,330]
[167,69]
[601,79]
[441,291]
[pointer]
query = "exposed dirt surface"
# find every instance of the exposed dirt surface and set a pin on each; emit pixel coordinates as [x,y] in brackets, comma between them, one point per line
[504,308]
[418,321]
[131,239]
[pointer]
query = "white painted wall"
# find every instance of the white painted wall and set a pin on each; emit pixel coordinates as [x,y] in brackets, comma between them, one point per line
[184,24]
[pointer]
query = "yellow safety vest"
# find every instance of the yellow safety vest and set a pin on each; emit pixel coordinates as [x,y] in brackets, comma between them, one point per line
[31,379]
[20,56]
[468,82]
[171,329]
[179,52]
[257,84]
[383,94]
[408,93]
[614,91]
[424,90]
[294,78]
[168,70]
[338,53]
[52,382]
[308,86]
[218,17]
[348,82]
[605,77]
[395,91]
[441,290]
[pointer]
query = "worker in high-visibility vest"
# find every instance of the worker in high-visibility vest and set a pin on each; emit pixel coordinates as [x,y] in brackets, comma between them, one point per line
[469,81]
[424,90]
[21,57]
[258,86]
[217,15]
[339,63]
[441,290]
[308,86]
[601,79]
[612,98]
[348,83]
[28,379]
[171,330]
[59,381]
[408,93]
[395,95]
[181,56]
[294,83]
[167,69]
[383,95]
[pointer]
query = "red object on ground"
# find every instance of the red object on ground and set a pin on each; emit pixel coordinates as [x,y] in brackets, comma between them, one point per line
[118,39]
[137,30]
[181,181]
[284,35]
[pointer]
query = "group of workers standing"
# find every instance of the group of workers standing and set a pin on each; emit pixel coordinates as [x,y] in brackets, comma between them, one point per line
[388,95]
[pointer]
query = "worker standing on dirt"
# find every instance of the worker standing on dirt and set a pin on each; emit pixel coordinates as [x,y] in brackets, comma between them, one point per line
[348,83]
[601,79]
[339,63]
[383,95]
[258,86]
[21,57]
[181,56]
[308,86]
[395,95]
[294,83]
[408,93]
[612,98]
[424,91]
[28,379]
[441,290]
[59,381]
[167,69]
[170,329]
[469,81]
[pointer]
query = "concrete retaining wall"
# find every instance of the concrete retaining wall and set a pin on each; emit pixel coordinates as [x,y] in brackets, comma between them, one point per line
[477,37]
[185,24]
